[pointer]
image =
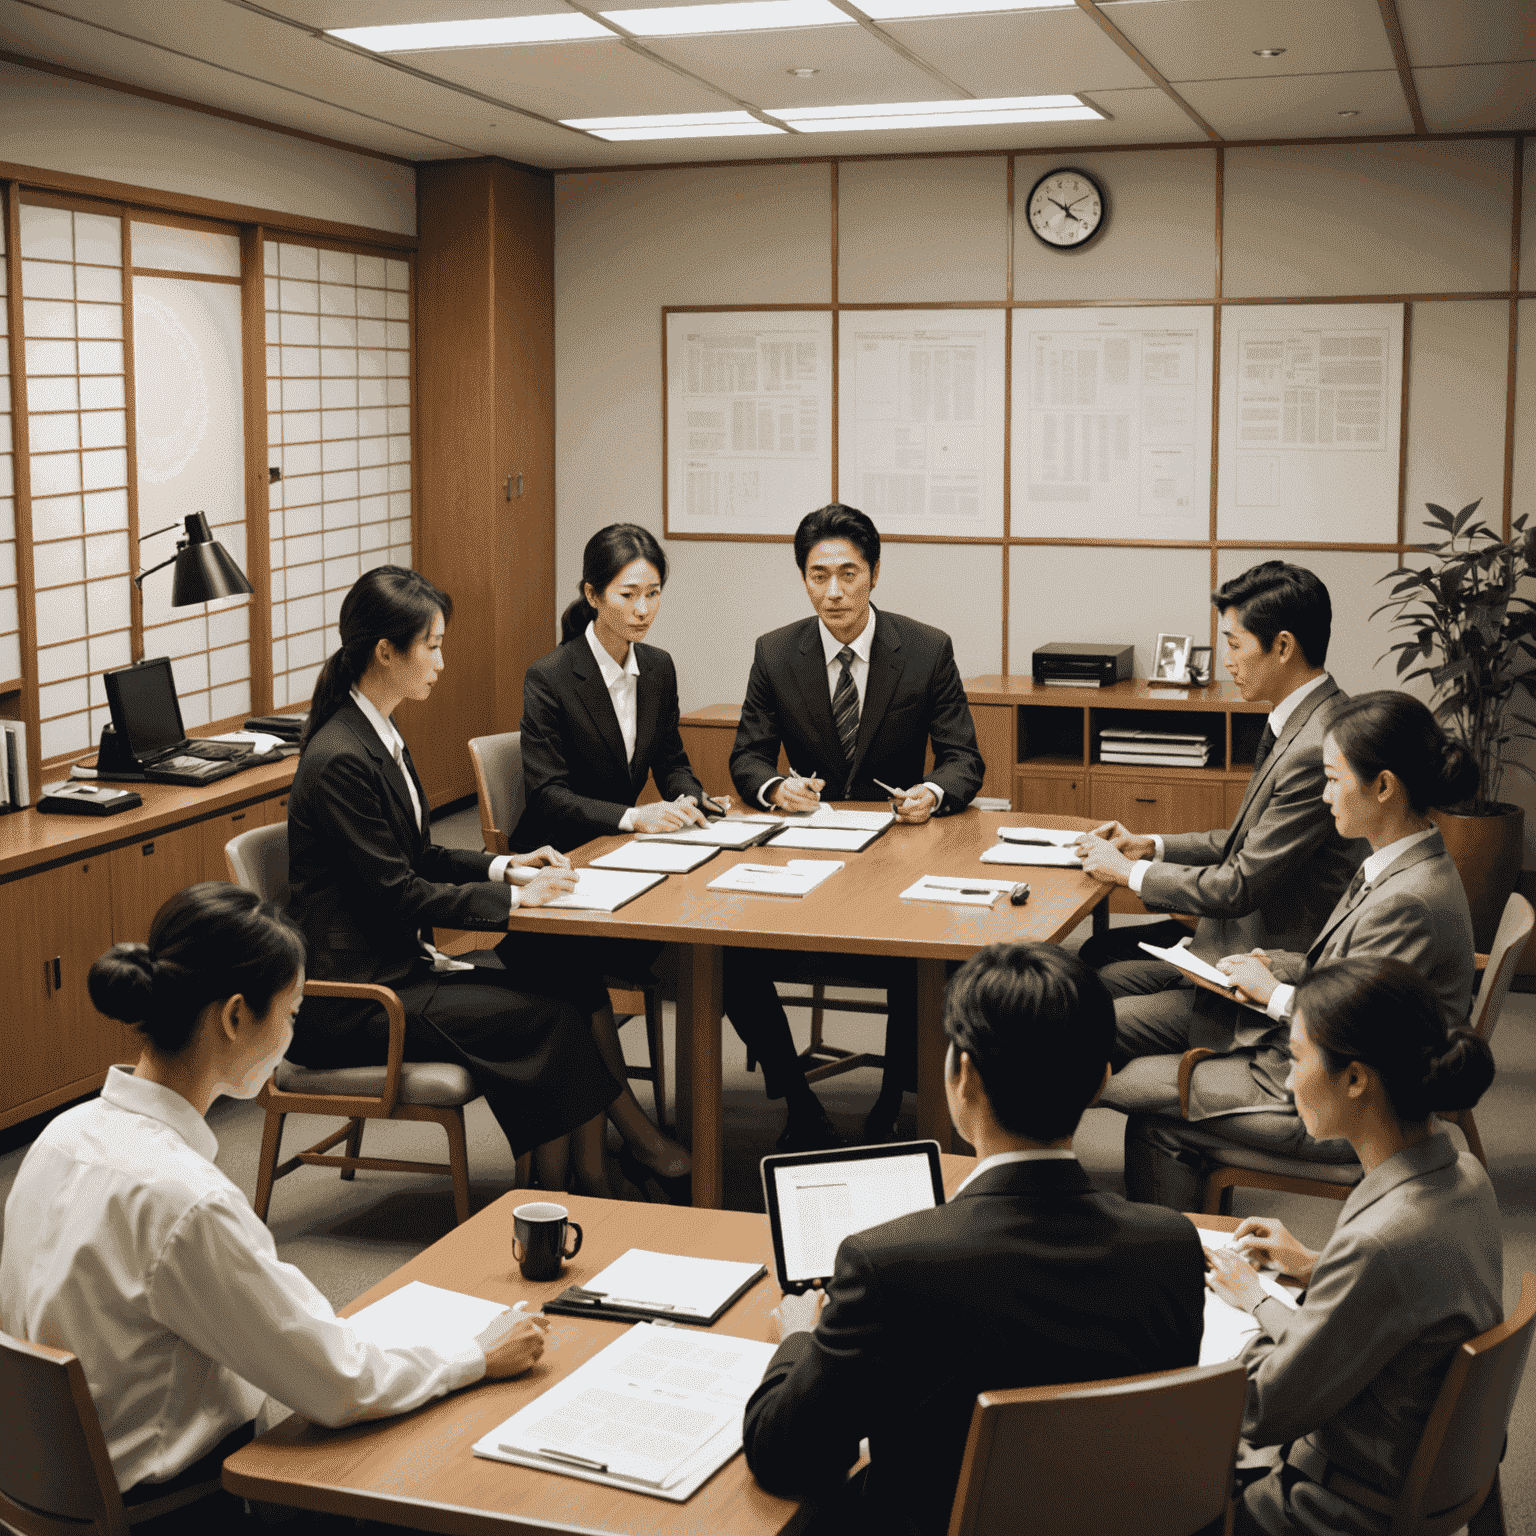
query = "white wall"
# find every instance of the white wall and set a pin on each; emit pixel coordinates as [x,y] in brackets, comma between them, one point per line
[87,130]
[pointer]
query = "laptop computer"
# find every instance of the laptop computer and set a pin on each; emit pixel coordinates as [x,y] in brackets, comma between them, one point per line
[146,718]
[816,1199]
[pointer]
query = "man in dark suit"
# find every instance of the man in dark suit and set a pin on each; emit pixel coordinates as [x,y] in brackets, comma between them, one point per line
[853,695]
[1029,1275]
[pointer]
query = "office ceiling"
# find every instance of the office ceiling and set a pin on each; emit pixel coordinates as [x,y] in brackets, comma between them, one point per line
[1162,71]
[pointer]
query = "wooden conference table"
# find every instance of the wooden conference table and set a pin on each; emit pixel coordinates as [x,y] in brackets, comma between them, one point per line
[417,1470]
[857,911]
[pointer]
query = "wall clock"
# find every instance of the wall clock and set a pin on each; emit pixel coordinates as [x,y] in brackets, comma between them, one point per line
[1065,208]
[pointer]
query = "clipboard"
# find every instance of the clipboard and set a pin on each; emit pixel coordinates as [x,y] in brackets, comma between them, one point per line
[580,1301]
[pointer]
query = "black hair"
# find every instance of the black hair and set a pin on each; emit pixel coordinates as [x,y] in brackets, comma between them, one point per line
[1275,596]
[608,551]
[835,521]
[1392,731]
[1385,1015]
[1038,1026]
[206,944]
[390,603]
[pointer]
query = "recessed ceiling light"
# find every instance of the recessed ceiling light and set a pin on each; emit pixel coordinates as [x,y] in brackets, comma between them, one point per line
[419,36]
[901,10]
[674,125]
[742,16]
[1349,112]
[1268,53]
[802,74]
[936,114]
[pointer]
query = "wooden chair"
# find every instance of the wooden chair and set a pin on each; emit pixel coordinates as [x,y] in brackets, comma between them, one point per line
[498,764]
[55,1476]
[1247,1168]
[399,1090]
[1039,1458]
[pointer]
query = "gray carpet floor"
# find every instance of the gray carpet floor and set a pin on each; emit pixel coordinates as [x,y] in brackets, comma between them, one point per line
[346,1236]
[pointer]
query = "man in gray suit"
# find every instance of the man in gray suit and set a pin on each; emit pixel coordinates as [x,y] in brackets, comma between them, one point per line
[1268,881]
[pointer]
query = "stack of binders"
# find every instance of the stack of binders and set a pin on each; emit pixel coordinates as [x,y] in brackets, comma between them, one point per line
[15,791]
[1154,749]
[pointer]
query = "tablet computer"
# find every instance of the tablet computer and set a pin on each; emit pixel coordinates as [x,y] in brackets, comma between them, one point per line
[816,1199]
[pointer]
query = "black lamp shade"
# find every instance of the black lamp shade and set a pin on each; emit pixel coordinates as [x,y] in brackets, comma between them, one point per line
[204,570]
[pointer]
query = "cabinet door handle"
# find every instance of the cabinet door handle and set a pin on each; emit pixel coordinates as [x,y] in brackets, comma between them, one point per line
[47,979]
[147,849]
[238,816]
[511,481]
[52,981]
[1146,800]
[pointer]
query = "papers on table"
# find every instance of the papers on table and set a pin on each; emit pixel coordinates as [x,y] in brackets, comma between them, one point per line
[669,1284]
[1227,1330]
[658,1411]
[604,890]
[961,893]
[830,817]
[659,858]
[824,839]
[1041,847]
[427,1314]
[728,832]
[795,878]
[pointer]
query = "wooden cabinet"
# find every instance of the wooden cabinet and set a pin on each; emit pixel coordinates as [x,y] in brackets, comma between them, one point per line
[145,874]
[1158,804]
[57,923]
[218,830]
[1051,792]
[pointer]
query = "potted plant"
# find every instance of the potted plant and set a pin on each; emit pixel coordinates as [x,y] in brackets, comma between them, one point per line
[1470,624]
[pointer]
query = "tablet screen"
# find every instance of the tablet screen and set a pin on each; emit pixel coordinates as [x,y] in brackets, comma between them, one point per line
[817,1204]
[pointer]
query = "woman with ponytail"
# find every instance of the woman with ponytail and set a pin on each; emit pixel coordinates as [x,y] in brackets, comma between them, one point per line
[1386,763]
[1344,1384]
[126,1245]
[368,886]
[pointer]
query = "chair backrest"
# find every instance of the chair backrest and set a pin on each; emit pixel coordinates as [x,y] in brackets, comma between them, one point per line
[54,1465]
[1503,960]
[1463,1439]
[1151,1454]
[258,860]
[498,764]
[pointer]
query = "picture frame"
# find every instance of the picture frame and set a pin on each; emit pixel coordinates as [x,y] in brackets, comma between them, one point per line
[1202,660]
[1170,659]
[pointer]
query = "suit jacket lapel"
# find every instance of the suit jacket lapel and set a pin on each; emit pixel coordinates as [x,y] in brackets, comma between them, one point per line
[362,728]
[593,694]
[810,668]
[1299,717]
[885,668]
[1430,848]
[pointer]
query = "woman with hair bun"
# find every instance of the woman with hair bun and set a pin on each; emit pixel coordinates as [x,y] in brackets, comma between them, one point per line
[1386,762]
[1344,1385]
[126,1245]
[368,885]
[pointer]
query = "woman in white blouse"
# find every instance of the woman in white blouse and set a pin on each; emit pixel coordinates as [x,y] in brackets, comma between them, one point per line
[127,1246]
[1343,1386]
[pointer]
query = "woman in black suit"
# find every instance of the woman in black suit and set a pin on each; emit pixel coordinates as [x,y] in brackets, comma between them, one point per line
[368,885]
[600,716]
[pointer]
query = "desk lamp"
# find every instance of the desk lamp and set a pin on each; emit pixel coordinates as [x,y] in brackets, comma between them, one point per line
[204,570]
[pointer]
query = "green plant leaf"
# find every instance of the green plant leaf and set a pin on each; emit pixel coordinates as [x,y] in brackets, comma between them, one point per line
[1461,517]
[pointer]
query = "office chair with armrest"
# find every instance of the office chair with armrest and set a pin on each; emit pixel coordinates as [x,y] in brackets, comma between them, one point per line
[1039,1458]
[498,764]
[55,1475]
[399,1090]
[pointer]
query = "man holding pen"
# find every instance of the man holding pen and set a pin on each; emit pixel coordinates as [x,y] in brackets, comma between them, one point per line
[853,695]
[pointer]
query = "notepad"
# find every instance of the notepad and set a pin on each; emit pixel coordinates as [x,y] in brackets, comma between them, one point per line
[604,890]
[823,839]
[669,1285]
[796,878]
[1038,858]
[657,1412]
[961,893]
[829,817]
[658,858]
[1227,1329]
[729,832]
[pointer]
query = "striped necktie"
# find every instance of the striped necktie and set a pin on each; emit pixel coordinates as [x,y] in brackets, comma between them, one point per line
[845,706]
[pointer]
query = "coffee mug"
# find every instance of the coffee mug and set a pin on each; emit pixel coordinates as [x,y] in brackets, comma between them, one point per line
[538,1239]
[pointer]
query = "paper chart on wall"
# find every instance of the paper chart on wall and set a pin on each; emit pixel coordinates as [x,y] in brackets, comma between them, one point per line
[749,420]
[1311,401]
[920,419]
[1112,422]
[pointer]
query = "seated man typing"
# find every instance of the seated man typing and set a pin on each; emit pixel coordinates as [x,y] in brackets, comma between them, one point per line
[1030,1275]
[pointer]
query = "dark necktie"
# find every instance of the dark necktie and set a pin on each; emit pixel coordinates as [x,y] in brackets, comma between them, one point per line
[845,706]
[1356,888]
[1266,746]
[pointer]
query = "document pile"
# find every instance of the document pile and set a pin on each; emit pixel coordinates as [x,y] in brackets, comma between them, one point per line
[642,1284]
[658,1411]
[1201,972]
[604,890]
[1227,1329]
[832,831]
[1039,846]
[959,893]
[727,832]
[796,878]
[1154,749]
[657,858]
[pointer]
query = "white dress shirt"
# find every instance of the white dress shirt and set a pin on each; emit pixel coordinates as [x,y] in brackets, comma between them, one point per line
[1276,722]
[126,1245]
[1023,1155]
[394,744]
[623,685]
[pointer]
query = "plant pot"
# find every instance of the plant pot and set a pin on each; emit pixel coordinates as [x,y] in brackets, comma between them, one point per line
[1488,852]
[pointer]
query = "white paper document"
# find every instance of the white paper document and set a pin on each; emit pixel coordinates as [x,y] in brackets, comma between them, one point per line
[1053,836]
[604,890]
[796,878]
[728,832]
[829,817]
[683,1285]
[1040,847]
[824,839]
[659,858]
[959,893]
[426,1314]
[1227,1329]
[657,1411]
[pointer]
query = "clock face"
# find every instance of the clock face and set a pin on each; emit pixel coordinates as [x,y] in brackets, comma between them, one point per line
[1066,209]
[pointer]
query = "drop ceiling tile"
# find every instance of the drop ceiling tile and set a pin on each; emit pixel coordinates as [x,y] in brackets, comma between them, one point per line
[1215,39]
[1025,53]
[853,66]
[600,78]
[1467,31]
[1460,98]
[1301,106]
[330,14]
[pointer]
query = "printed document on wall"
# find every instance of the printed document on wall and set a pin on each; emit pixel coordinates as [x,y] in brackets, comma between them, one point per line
[1311,399]
[749,419]
[920,419]
[1112,423]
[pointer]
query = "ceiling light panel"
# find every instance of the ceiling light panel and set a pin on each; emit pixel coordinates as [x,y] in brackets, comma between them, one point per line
[661,120]
[958,118]
[697,131]
[422,36]
[744,16]
[894,10]
[1011,104]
